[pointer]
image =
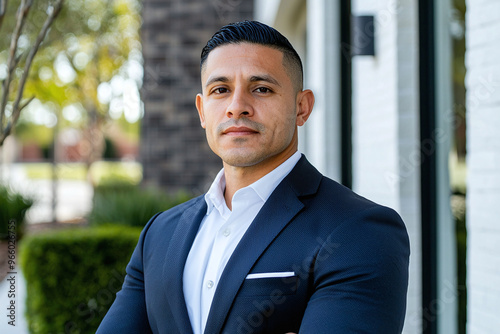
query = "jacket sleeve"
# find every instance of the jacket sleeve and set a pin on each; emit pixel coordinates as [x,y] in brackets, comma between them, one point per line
[128,313]
[360,277]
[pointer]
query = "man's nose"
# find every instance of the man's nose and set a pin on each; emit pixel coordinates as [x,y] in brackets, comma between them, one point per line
[240,106]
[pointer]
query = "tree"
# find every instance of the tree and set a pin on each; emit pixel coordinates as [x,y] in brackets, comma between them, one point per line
[92,46]
[19,62]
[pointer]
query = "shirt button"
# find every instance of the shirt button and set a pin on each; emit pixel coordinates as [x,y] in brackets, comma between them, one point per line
[226,232]
[210,284]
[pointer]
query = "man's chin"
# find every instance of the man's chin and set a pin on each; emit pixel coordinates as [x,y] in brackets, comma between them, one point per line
[241,160]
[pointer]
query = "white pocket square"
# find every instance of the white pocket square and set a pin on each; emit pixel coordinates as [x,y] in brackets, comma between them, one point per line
[271,275]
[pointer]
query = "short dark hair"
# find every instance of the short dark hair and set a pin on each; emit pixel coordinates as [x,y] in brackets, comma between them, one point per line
[257,33]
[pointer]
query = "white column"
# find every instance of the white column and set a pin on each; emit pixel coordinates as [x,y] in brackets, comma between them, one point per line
[266,11]
[408,148]
[321,134]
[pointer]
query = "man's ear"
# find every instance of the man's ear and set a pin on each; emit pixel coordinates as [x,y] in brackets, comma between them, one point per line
[199,106]
[305,103]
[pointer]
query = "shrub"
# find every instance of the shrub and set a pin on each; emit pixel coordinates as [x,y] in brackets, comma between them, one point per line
[73,275]
[114,184]
[126,204]
[13,207]
[109,172]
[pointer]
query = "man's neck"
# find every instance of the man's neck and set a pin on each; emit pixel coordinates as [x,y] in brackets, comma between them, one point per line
[240,177]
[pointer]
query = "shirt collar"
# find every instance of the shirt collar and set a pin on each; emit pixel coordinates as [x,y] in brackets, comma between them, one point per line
[264,187]
[215,195]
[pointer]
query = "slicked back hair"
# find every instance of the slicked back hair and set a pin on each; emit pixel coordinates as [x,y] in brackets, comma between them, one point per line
[257,33]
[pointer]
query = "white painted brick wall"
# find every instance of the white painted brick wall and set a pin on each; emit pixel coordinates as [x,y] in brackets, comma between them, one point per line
[483,162]
[385,126]
[375,108]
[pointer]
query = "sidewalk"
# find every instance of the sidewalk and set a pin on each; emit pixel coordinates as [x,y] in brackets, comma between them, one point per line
[13,295]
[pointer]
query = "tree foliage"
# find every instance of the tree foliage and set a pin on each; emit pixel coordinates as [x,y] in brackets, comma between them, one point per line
[18,59]
[92,43]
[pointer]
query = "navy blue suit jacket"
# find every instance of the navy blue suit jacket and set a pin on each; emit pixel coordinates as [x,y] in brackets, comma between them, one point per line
[349,255]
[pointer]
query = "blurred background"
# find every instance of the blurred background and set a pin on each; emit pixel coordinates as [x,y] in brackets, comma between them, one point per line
[99,132]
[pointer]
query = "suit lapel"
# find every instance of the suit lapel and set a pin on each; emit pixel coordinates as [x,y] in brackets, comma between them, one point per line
[281,207]
[177,253]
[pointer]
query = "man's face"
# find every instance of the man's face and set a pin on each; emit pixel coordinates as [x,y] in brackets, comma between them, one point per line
[248,105]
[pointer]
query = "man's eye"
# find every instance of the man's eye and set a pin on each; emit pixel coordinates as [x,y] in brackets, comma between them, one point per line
[220,90]
[263,90]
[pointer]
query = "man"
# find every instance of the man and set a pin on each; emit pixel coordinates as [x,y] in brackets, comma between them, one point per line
[273,246]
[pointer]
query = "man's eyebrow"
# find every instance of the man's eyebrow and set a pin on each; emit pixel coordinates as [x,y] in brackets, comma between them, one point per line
[266,78]
[216,79]
[253,78]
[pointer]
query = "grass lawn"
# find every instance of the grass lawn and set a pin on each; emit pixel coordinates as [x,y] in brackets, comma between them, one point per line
[99,171]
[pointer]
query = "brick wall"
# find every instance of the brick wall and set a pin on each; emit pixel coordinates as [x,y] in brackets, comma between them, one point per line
[483,163]
[173,148]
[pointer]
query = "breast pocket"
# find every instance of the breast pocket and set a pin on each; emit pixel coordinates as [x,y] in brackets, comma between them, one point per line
[267,305]
[269,286]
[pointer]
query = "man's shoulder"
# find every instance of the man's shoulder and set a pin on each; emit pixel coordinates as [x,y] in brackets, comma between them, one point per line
[358,219]
[333,198]
[341,194]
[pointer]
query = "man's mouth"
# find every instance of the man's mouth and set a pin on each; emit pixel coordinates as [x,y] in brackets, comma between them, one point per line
[239,131]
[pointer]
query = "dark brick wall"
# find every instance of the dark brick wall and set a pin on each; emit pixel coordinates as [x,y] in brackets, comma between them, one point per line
[173,151]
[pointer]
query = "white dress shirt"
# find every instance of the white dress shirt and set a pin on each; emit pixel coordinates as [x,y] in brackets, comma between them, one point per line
[220,232]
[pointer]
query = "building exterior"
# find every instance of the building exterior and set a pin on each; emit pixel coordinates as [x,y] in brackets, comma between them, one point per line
[385,113]
[402,132]
[382,124]
[483,162]
[174,152]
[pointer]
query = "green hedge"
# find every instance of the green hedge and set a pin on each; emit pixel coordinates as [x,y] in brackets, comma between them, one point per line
[73,275]
[13,207]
